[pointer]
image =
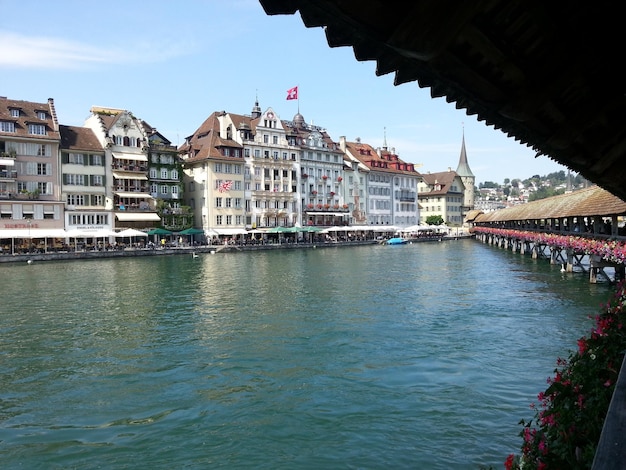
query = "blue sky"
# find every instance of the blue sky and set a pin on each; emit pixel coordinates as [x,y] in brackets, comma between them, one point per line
[174,63]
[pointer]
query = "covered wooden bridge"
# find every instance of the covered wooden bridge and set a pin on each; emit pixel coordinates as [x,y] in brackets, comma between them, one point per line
[584,229]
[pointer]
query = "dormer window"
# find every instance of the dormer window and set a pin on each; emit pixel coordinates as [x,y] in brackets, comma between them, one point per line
[42,115]
[7,126]
[15,113]
[37,129]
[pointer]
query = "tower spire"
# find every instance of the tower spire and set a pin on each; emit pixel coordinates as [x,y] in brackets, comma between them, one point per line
[256,109]
[463,169]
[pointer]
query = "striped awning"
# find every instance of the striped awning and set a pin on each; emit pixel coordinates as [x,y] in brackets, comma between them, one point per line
[136,216]
[131,156]
[129,176]
[134,195]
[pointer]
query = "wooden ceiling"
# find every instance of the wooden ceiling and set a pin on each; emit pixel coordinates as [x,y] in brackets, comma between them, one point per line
[546,73]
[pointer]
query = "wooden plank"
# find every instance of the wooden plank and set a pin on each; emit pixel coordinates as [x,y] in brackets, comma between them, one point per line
[611,451]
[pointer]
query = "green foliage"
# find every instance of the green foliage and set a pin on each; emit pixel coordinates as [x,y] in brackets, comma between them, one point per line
[570,414]
[434,220]
[544,192]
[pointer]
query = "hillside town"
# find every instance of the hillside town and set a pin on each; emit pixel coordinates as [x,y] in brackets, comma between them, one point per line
[233,174]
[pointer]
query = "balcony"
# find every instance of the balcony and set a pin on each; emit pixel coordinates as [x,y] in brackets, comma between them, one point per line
[327,208]
[8,174]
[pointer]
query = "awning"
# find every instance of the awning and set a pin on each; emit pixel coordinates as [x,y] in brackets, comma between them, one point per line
[33,233]
[336,214]
[134,195]
[131,156]
[7,161]
[129,176]
[90,233]
[230,231]
[136,216]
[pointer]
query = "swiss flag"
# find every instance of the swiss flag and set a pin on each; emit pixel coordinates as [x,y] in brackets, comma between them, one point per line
[292,93]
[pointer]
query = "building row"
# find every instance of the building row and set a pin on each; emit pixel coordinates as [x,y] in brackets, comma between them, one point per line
[236,172]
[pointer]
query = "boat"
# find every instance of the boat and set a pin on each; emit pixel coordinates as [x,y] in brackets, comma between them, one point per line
[396,241]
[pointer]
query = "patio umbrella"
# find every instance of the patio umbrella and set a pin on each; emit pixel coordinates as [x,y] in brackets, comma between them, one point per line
[283,230]
[131,233]
[191,231]
[159,231]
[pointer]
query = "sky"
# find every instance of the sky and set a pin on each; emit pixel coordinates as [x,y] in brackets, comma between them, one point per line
[174,63]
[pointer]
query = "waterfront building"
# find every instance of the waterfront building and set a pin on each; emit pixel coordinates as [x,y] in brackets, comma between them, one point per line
[321,160]
[442,194]
[126,154]
[213,167]
[165,176]
[30,189]
[449,194]
[272,158]
[83,181]
[392,185]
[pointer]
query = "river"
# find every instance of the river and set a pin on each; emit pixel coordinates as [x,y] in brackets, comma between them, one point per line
[421,356]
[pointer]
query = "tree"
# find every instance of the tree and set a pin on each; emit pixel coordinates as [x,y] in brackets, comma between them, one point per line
[434,220]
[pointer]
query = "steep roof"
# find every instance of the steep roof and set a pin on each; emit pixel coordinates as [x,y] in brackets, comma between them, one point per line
[442,178]
[386,161]
[205,142]
[79,138]
[582,203]
[544,73]
[463,169]
[29,113]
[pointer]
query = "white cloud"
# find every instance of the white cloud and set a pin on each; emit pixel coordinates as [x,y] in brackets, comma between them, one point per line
[54,53]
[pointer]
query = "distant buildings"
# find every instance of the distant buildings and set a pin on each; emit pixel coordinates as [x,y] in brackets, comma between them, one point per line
[234,174]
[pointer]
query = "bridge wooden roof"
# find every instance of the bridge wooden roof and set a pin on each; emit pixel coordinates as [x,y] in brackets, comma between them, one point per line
[542,72]
[592,201]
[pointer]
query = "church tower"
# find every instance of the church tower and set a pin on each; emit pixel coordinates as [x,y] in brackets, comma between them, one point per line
[468,178]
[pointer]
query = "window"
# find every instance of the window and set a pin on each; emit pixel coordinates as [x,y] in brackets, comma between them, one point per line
[76,200]
[218,220]
[164,189]
[163,173]
[229,202]
[174,190]
[238,203]
[218,168]
[218,202]
[42,115]
[97,160]
[76,158]
[7,126]
[174,174]
[44,169]
[15,113]
[97,180]
[275,139]
[153,173]
[37,129]
[229,220]
[76,180]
